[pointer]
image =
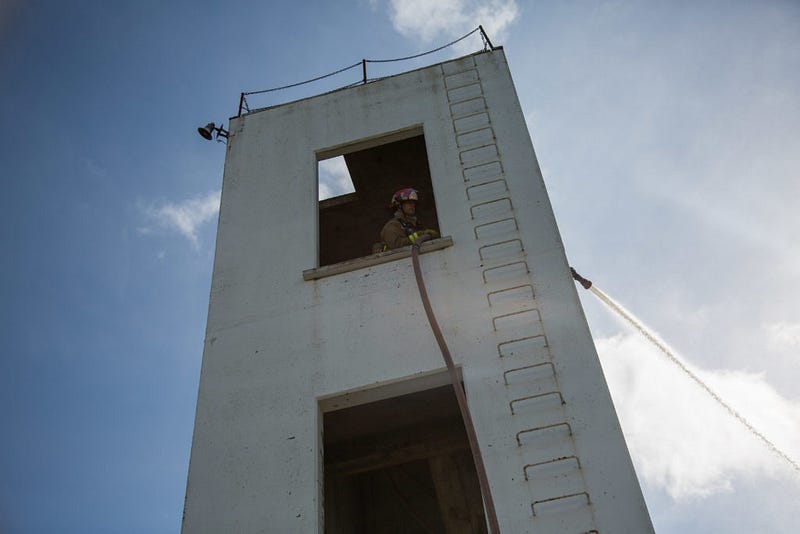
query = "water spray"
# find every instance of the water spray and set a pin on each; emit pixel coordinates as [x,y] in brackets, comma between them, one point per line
[625,314]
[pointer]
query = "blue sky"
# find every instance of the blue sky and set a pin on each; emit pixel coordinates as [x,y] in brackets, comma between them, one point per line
[669,137]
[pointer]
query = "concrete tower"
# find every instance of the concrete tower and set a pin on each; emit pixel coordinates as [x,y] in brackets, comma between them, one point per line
[323,403]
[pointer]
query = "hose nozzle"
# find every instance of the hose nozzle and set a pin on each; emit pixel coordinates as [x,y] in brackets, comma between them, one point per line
[583,281]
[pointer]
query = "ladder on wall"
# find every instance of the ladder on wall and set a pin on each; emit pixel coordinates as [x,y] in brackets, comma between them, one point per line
[550,468]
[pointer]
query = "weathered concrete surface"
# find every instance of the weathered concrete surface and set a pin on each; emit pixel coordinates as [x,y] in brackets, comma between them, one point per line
[276,344]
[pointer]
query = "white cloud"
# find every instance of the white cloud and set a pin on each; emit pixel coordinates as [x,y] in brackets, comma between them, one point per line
[185,216]
[334,178]
[681,439]
[783,335]
[429,21]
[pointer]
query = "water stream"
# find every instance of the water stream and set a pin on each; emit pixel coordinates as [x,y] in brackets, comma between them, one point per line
[628,316]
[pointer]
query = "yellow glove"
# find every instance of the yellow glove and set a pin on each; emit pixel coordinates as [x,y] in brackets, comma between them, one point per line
[433,233]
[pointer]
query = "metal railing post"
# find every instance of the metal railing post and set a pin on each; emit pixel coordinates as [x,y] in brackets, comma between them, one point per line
[483,32]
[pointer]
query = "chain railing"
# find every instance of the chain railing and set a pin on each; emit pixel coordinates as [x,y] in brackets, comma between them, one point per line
[244,108]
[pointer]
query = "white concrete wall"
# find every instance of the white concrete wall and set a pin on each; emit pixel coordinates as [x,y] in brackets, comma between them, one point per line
[276,344]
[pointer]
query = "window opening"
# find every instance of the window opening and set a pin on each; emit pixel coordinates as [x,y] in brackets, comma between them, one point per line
[401,464]
[334,178]
[355,189]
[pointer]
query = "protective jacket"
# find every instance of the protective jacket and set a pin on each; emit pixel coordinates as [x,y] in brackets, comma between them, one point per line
[395,232]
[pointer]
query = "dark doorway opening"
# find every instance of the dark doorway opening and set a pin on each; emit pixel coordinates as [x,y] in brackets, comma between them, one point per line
[401,466]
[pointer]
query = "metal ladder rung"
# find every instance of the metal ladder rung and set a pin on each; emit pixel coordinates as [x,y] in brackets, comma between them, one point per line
[458,80]
[487,202]
[521,262]
[470,113]
[495,167]
[499,291]
[505,186]
[537,396]
[483,247]
[502,343]
[540,428]
[473,67]
[498,222]
[462,95]
[551,499]
[554,460]
[484,126]
[541,364]
[512,314]
[485,145]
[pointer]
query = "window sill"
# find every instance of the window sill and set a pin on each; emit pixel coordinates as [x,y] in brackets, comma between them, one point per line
[375,259]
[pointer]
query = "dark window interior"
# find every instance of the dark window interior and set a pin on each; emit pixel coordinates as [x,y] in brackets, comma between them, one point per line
[350,224]
[401,465]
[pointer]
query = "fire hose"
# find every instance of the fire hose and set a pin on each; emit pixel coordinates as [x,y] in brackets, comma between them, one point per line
[488,502]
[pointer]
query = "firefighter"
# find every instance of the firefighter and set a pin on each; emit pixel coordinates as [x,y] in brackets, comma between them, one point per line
[401,230]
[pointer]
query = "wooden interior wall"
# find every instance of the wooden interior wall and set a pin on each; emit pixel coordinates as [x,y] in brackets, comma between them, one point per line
[401,466]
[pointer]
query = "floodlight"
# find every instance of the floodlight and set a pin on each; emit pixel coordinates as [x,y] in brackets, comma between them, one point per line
[210,130]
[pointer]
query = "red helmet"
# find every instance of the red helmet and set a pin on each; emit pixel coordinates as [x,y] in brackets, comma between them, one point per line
[409,193]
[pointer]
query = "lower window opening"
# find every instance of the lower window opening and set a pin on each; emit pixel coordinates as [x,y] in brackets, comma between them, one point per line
[401,465]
